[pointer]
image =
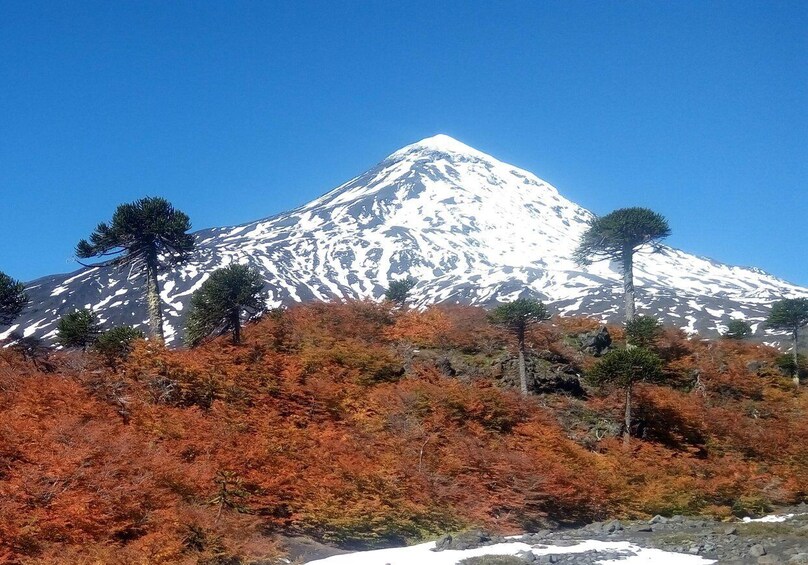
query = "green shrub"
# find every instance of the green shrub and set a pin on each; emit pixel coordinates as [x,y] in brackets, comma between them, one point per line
[79,328]
[737,329]
[785,363]
[643,331]
[116,344]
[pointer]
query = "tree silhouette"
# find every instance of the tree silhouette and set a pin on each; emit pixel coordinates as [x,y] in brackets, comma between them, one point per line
[790,314]
[12,299]
[517,317]
[142,234]
[618,236]
[217,306]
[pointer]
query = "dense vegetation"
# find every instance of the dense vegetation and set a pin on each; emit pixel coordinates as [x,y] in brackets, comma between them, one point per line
[365,424]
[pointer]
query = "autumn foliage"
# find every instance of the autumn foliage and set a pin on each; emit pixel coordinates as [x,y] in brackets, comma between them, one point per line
[335,421]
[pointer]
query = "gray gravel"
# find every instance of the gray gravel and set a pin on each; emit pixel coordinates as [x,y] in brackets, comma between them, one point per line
[726,542]
[731,543]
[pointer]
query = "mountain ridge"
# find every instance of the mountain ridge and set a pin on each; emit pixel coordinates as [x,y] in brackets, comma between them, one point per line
[468,227]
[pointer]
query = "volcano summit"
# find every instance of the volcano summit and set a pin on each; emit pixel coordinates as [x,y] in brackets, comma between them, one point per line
[470,228]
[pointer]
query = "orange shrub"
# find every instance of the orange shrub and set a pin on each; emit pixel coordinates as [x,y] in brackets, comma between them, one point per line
[323,423]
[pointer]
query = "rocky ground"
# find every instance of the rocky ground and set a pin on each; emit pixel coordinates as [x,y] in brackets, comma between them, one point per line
[731,543]
[773,541]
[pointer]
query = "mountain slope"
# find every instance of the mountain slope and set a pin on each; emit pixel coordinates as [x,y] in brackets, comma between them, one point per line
[470,228]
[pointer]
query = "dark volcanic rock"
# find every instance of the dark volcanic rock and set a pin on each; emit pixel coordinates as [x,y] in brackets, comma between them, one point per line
[596,343]
[467,540]
[301,549]
[544,376]
[735,543]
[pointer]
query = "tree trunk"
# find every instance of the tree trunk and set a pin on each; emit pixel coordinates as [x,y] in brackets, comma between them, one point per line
[627,430]
[796,374]
[236,322]
[628,281]
[522,370]
[153,299]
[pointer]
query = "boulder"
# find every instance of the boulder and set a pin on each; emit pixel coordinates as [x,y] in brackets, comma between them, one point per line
[466,540]
[757,550]
[596,343]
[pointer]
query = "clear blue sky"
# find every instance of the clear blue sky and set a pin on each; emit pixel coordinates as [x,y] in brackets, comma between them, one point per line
[238,110]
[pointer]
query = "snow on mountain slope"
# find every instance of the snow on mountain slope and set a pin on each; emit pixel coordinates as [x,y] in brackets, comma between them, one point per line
[470,228]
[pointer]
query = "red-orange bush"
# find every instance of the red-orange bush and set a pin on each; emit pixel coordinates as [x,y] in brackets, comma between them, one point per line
[323,423]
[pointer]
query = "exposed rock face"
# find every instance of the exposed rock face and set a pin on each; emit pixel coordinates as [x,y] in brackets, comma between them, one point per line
[598,342]
[546,373]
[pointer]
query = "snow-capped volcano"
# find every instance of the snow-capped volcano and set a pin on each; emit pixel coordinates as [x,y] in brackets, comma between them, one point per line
[468,227]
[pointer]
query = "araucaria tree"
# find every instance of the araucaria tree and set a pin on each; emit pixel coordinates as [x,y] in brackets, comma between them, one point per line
[617,236]
[643,331]
[790,314]
[145,234]
[79,328]
[221,302]
[116,343]
[12,299]
[737,330]
[517,317]
[399,291]
[623,368]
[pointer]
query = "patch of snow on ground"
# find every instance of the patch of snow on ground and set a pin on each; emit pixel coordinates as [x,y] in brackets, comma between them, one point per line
[422,554]
[9,331]
[34,327]
[59,290]
[770,518]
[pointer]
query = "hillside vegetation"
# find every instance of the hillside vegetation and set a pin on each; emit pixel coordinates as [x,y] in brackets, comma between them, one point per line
[361,425]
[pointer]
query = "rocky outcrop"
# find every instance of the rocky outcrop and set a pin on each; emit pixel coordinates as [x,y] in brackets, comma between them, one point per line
[596,342]
[467,540]
[733,543]
[547,373]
